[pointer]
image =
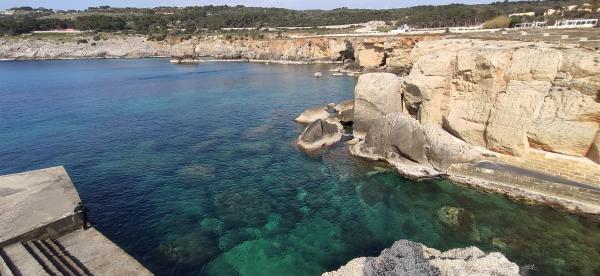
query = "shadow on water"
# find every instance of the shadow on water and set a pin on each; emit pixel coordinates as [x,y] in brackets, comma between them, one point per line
[197,175]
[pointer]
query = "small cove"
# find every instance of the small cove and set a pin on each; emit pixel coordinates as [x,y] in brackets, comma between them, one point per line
[192,170]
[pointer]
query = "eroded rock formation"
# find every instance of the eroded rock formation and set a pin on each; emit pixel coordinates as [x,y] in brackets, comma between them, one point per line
[517,118]
[506,97]
[325,127]
[410,258]
[368,52]
[417,151]
[318,134]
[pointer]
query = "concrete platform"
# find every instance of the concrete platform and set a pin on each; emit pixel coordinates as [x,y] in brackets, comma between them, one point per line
[100,255]
[41,231]
[37,204]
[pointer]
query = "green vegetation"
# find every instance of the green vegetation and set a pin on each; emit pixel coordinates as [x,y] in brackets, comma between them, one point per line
[161,21]
[498,22]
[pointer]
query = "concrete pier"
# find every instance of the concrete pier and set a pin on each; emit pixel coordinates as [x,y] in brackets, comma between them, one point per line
[41,230]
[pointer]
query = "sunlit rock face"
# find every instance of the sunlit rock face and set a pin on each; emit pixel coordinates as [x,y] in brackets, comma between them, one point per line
[410,258]
[508,97]
[375,95]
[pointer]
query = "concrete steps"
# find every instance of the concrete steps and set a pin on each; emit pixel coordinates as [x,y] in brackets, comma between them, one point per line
[45,257]
[4,269]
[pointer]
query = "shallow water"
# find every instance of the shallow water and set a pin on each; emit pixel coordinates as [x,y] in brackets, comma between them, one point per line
[192,170]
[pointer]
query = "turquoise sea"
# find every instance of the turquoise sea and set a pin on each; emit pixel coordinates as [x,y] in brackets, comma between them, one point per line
[192,170]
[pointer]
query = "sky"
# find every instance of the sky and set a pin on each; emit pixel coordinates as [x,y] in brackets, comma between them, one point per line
[291,4]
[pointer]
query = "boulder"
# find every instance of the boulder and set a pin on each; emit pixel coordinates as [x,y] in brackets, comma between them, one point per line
[410,258]
[417,151]
[441,63]
[318,134]
[560,136]
[594,153]
[567,123]
[589,86]
[399,58]
[479,78]
[459,221]
[375,95]
[345,116]
[344,105]
[445,150]
[311,115]
[512,115]
[423,97]
[370,56]
[534,64]
[580,63]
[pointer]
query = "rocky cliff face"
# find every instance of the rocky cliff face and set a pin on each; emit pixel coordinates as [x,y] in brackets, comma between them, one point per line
[66,47]
[506,97]
[368,52]
[521,119]
[410,258]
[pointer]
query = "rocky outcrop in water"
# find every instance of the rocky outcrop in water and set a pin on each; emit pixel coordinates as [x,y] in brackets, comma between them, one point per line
[318,134]
[375,95]
[517,118]
[311,115]
[417,151]
[325,125]
[410,258]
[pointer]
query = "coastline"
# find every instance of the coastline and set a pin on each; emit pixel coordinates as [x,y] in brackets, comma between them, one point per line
[80,58]
[266,61]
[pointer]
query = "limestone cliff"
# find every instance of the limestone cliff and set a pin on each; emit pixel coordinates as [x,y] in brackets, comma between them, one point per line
[517,118]
[368,52]
[80,46]
[506,97]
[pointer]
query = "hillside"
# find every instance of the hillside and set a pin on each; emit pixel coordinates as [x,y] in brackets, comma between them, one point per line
[193,20]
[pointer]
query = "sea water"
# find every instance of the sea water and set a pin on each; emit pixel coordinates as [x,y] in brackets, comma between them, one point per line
[192,170]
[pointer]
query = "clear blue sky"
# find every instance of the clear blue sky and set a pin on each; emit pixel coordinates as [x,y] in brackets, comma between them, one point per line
[292,4]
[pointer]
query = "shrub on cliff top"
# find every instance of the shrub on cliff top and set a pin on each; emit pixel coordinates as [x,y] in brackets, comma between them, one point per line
[501,21]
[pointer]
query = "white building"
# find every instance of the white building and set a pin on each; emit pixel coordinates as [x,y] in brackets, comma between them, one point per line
[536,24]
[576,23]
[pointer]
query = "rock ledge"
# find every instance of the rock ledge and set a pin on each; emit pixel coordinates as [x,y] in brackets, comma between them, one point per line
[411,258]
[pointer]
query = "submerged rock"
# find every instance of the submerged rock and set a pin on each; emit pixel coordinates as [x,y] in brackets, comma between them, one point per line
[410,258]
[459,220]
[318,134]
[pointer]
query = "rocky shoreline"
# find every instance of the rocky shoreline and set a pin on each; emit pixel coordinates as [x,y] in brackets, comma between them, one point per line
[86,46]
[409,258]
[518,119]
